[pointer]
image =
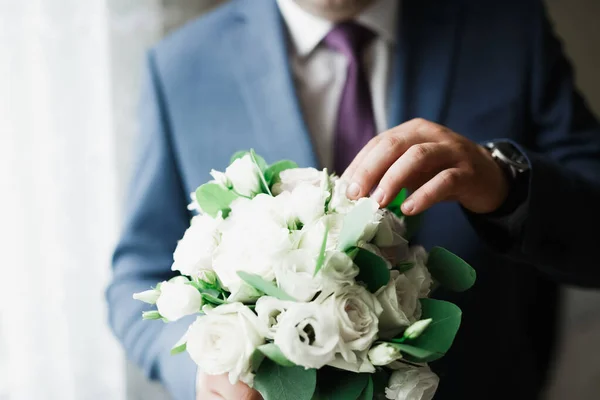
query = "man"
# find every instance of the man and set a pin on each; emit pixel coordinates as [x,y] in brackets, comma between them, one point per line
[313,81]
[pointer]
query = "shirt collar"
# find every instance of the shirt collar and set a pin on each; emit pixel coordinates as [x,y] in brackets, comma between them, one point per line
[307,30]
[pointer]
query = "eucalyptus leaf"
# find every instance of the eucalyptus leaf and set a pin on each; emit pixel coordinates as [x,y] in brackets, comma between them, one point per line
[337,384]
[355,222]
[437,339]
[273,353]
[179,349]
[404,266]
[373,270]
[213,198]
[238,154]
[261,165]
[321,257]
[449,270]
[367,393]
[381,379]
[413,223]
[395,204]
[273,171]
[275,382]
[264,286]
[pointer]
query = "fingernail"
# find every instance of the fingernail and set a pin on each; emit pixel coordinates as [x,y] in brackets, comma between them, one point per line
[353,190]
[408,206]
[378,195]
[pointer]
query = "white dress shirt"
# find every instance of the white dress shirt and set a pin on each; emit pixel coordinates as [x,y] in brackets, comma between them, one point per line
[320,73]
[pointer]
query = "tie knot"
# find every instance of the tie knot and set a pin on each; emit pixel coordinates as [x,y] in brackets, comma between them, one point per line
[348,38]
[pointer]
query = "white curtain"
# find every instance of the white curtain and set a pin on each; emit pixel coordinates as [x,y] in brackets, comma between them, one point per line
[62,170]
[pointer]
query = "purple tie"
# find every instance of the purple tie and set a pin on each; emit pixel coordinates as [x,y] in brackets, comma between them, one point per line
[355,121]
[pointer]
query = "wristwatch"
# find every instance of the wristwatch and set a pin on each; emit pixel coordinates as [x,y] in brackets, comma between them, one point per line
[516,166]
[509,157]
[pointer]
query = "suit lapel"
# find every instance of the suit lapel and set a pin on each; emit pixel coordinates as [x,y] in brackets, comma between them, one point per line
[424,60]
[264,75]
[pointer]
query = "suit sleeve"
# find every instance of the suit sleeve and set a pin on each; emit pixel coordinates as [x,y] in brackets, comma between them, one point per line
[556,227]
[155,219]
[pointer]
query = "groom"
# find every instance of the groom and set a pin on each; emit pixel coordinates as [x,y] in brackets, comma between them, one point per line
[476,112]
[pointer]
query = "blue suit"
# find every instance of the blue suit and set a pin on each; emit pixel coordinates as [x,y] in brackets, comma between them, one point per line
[484,69]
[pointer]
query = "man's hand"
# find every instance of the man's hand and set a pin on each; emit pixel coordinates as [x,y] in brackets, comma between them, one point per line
[217,387]
[434,162]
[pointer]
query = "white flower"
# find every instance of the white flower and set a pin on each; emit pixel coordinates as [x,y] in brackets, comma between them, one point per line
[373,226]
[147,296]
[243,293]
[295,275]
[416,329]
[308,202]
[419,275]
[244,176]
[337,270]
[178,299]
[289,179]
[220,178]
[308,334]
[252,240]
[357,312]
[360,365]
[223,340]
[399,299]
[269,311]
[384,354]
[339,201]
[195,250]
[311,236]
[410,383]
[391,230]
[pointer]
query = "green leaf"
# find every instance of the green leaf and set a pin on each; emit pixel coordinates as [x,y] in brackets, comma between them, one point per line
[321,257]
[261,165]
[238,154]
[264,286]
[404,266]
[154,314]
[272,173]
[373,270]
[413,223]
[394,206]
[367,394]
[179,349]
[381,379]
[273,353]
[449,270]
[437,339]
[412,353]
[275,382]
[354,224]
[213,198]
[208,298]
[337,384]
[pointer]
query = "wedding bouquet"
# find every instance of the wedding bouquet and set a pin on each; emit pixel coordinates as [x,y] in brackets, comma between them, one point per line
[304,294]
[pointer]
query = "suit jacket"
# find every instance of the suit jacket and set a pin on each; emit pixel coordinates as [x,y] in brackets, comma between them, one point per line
[484,69]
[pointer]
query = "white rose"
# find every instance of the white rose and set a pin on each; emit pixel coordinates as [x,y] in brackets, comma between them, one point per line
[399,299]
[360,365]
[308,334]
[269,311]
[177,299]
[339,202]
[391,230]
[357,312]
[419,275]
[384,354]
[223,341]
[289,179]
[294,273]
[411,383]
[244,176]
[337,270]
[251,242]
[311,236]
[308,203]
[194,251]
[373,226]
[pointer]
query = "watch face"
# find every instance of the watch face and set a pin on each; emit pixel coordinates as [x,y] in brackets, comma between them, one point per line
[510,154]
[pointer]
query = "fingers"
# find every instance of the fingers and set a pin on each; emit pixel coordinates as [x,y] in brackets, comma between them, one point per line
[369,166]
[218,387]
[441,187]
[424,159]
